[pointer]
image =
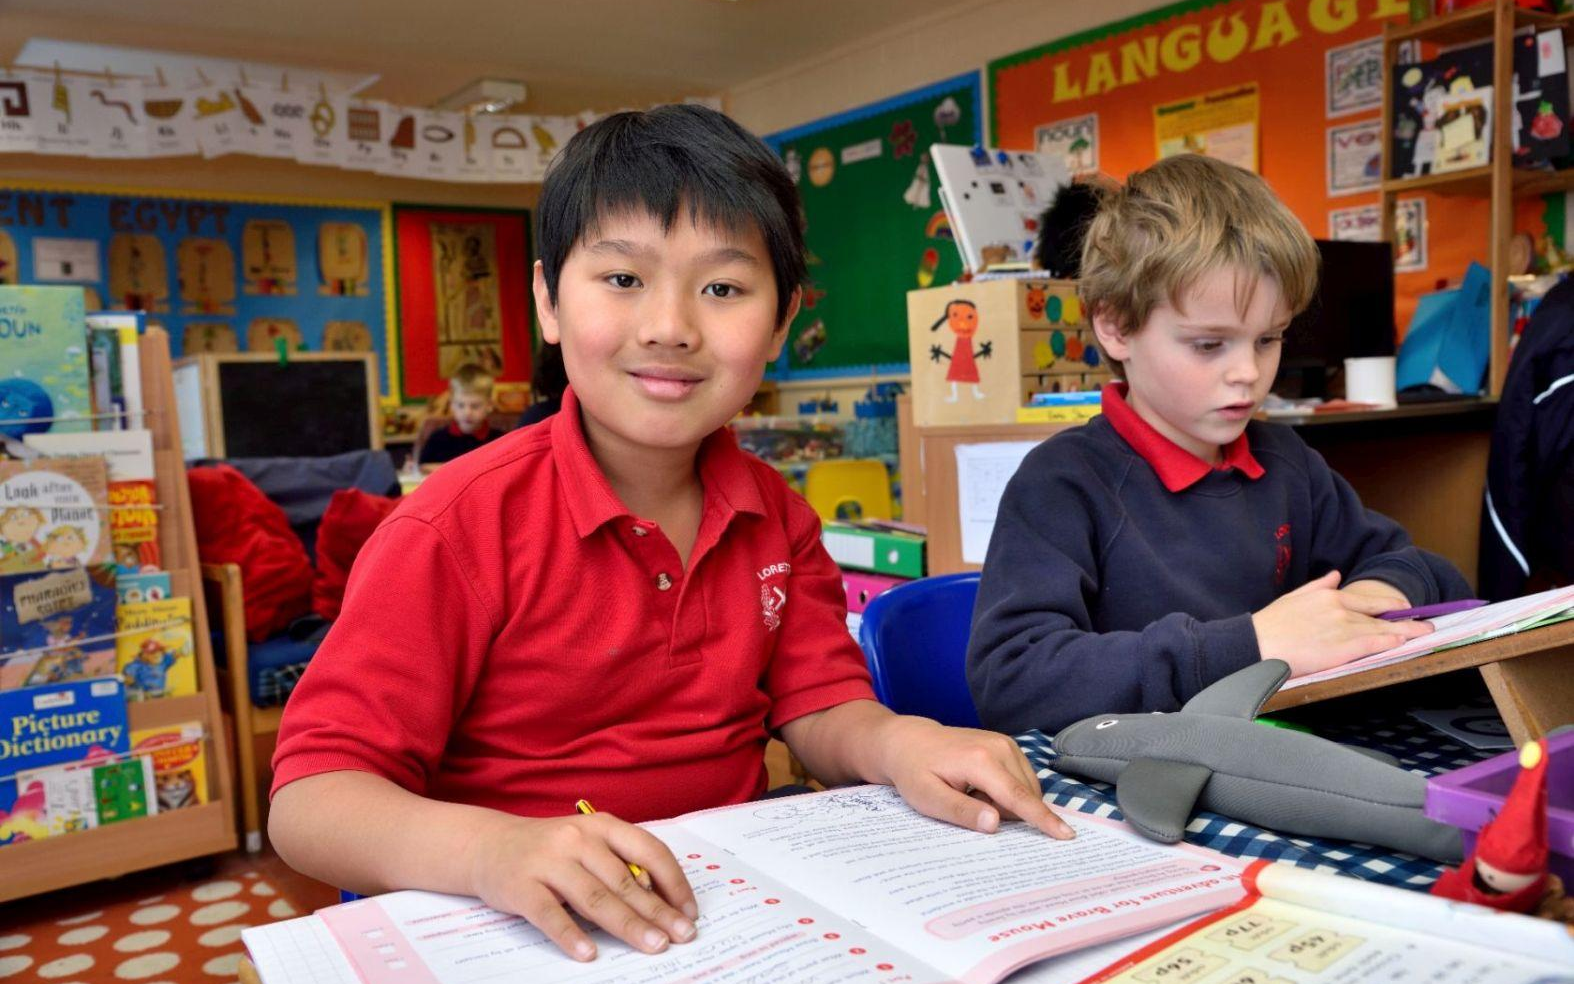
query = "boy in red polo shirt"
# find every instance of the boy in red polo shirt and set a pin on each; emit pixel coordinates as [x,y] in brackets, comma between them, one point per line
[617,603]
[1173,539]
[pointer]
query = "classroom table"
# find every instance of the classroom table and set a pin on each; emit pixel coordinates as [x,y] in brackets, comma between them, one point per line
[1417,747]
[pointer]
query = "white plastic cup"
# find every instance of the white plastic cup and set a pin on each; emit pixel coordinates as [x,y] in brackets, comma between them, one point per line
[1370,380]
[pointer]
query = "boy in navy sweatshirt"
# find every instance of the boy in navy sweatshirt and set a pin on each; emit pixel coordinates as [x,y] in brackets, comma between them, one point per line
[1174,540]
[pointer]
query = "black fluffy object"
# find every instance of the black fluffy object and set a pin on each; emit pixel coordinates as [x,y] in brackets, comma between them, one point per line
[1061,228]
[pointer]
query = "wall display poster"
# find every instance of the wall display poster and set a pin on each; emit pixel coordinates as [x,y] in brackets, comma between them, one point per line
[1307,61]
[1221,125]
[1363,223]
[1410,234]
[875,225]
[464,294]
[1075,140]
[1355,157]
[220,274]
[1354,77]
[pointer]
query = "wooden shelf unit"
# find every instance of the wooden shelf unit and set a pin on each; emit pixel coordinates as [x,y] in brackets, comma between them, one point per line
[44,865]
[1498,181]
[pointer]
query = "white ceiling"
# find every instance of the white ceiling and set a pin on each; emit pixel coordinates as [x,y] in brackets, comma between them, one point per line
[574,54]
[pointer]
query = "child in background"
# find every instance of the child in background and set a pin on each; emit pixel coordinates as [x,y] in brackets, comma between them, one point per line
[618,604]
[1174,540]
[469,404]
[547,383]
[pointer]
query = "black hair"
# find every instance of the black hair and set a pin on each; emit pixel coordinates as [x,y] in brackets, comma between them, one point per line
[549,378]
[1062,228]
[659,160]
[947,315]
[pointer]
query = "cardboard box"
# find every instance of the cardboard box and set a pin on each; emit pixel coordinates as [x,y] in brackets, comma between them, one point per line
[1016,337]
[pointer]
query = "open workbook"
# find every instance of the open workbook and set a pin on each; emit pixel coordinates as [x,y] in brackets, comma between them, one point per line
[847,885]
[1307,927]
[1461,629]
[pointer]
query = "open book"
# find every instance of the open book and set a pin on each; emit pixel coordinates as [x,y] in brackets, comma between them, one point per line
[847,885]
[1461,629]
[1306,927]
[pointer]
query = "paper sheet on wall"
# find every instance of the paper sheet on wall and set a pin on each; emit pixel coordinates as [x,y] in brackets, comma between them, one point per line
[982,471]
[1222,125]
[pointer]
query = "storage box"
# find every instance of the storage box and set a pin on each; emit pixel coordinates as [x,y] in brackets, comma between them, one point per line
[862,588]
[1467,798]
[1016,337]
[874,551]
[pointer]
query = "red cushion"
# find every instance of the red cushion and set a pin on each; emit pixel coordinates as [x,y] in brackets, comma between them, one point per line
[350,518]
[237,524]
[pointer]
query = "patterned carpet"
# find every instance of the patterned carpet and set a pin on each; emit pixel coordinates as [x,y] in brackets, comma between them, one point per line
[188,933]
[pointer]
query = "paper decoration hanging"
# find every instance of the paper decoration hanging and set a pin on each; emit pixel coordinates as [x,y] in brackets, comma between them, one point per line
[206,268]
[17,126]
[138,272]
[263,334]
[221,126]
[342,259]
[512,157]
[285,113]
[475,152]
[316,142]
[112,119]
[208,336]
[439,144]
[170,116]
[268,256]
[56,102]
[365,135]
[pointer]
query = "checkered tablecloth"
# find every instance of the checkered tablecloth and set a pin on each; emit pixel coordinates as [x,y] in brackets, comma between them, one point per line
[1417,747]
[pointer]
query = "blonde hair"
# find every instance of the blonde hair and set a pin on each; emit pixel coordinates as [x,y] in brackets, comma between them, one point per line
[13,512]
[1184,217]
[60,532]
[472,379]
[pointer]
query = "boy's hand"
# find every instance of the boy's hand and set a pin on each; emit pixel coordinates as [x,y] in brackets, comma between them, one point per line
[1317,625]
[935,768]
[535,867]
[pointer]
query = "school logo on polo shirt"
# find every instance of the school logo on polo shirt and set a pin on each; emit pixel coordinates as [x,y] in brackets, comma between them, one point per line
[773,593]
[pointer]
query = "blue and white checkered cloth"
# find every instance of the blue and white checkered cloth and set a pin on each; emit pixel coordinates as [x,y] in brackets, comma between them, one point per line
[1417,747]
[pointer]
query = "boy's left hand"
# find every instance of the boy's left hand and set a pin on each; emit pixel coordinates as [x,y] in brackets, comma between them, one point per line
[936,768]
[1381,590]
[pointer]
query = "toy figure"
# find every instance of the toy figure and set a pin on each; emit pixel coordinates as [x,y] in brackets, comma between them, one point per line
[1508,868]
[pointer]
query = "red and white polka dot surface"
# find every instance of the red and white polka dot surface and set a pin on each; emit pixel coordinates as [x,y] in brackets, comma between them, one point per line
[190,934]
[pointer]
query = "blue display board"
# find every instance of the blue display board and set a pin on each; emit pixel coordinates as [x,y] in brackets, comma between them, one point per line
[216,272]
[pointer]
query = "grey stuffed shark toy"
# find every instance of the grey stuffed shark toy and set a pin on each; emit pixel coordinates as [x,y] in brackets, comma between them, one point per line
[1211,753]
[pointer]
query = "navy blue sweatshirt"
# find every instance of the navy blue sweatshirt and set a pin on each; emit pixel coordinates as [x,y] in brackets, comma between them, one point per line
[1106,592]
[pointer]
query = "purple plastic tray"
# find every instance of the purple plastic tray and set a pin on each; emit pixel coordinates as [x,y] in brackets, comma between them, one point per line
[1467,798]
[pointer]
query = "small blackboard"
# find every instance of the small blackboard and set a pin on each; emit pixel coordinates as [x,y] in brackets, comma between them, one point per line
[314,404]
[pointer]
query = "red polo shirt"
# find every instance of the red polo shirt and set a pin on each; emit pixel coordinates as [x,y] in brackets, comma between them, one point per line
[513,637]
[1177,468]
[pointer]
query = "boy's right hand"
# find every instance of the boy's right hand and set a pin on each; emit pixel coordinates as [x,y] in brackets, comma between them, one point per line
[1317,626]
[535,867]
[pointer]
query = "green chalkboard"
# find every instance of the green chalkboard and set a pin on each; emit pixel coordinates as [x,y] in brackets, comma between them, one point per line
[875,226]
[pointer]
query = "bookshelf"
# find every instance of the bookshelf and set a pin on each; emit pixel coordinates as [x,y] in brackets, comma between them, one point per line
[1498,181]
[178,835]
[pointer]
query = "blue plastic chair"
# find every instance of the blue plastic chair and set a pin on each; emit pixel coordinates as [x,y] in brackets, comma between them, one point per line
[915,639]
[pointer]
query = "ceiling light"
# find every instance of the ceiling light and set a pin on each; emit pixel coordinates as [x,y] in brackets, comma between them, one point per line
[484,96]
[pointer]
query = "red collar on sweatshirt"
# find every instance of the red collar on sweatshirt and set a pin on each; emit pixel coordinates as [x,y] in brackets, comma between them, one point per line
[480,433]
[1177,468]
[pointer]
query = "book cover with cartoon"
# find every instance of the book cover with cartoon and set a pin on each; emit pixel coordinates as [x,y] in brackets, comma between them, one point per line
[57,626]
[45,386]
[83,721]
[53,514]
[180,763]
[133,494]
[153,653]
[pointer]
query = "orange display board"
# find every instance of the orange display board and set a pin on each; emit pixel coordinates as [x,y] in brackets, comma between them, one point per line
[1314,92]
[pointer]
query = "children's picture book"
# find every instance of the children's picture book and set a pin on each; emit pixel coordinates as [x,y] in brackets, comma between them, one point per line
[84,795]
[849,884]
[82,721]
[153,653]
[126,385]
[57,626]
[1461,629]
[1309,927]
[151,586]
[133,495]
[44,386]
[180,764]
[52,513]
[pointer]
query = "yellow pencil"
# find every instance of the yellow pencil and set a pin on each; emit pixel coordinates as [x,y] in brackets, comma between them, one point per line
[584,807]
